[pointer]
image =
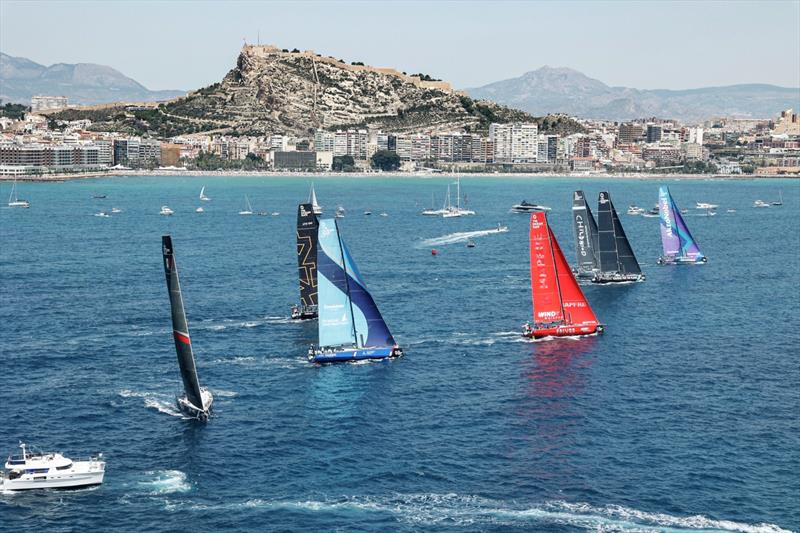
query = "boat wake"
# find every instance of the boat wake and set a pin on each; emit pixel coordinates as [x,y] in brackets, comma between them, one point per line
[476,512]
[153,400]
[464,236]
[166,482]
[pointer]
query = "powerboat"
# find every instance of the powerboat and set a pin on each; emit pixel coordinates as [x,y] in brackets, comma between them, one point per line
[757,203]
[199,210]
[704,205]
[525,207]
[102,214]
[166,211]
[636,210]
[384,214]
[116,210]
[340,212]
[36,470]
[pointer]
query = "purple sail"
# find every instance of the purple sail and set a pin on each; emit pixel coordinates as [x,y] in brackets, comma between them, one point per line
[676,239]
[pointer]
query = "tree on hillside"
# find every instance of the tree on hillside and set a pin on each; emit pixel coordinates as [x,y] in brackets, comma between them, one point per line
[385,160]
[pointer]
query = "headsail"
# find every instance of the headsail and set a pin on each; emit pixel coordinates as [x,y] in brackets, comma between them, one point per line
[585,229]
[180,328]
[615,252]
[347,313]
[307,227]
[676,239]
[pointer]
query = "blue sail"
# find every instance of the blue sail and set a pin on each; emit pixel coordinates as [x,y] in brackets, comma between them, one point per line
[334,304]
[348,314]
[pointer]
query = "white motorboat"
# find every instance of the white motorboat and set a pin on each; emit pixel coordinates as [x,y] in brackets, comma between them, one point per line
[14,200]
[166,211]
[368,212]
[102,214]
[384,214]
[203,197]
[199,210]
[340,212]
[248,209]
[116,210]
[50,471]
[276,214]
[636,210]
[704,205]
[760,203]
[525,207]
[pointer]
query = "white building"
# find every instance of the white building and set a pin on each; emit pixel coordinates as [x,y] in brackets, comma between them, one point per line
[46,103]
[515,143]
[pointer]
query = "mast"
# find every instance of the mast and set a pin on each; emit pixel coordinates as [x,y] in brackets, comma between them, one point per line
[180,327]
[346,282]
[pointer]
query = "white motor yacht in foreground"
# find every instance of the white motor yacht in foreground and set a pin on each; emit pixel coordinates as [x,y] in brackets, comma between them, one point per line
[525,207]
[166,211]
[50,471]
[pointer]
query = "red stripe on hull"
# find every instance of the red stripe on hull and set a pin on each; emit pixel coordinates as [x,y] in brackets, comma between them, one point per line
[563,331]
[181,337]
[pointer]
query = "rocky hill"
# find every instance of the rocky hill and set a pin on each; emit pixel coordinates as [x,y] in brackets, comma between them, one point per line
[563,90]
[81,83]
[273,90]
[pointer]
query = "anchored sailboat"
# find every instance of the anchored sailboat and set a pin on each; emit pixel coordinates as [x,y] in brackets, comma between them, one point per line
[196,402]
[203,197]
[559,307]
[312,199]
[680,248]
[586,238]
[456,211]
[14,200]
[351,327]
[248,209]
[616,260]
[307,227]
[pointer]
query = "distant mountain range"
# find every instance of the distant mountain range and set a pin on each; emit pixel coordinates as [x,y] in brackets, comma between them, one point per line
[563,90]
[81,83]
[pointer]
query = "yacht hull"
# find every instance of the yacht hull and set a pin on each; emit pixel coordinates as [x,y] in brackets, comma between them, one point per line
[618,278]
[682,261]
[187,408]
[355,354]
[562,331]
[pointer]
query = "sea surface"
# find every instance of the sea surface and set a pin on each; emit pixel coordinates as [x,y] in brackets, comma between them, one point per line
[683,416]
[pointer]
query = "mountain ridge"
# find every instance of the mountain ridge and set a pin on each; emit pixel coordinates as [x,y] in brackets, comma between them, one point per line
[81,83]
[566,90]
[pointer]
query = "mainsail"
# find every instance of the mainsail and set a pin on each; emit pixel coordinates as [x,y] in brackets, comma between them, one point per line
[557,296]
[347,313]
[585,234]
[676,239]
[307,254]
[180,328]
[615,252]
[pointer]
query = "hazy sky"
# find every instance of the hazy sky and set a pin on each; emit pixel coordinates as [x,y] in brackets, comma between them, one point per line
[647,45]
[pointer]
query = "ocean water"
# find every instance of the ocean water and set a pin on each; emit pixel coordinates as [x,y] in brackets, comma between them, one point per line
[683,416]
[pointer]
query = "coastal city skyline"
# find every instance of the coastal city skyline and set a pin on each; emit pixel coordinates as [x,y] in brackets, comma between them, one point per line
[691,43]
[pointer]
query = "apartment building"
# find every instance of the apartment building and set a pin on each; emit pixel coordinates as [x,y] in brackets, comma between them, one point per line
[515,143]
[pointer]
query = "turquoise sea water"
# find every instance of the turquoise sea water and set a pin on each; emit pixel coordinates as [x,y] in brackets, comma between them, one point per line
[683,416]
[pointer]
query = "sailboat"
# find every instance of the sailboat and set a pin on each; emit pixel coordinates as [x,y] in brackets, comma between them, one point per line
[615,255]
[780,199]
[307,227]
[312,199]
[586,237]
[351,327]
[197,400]
[559,307]
[432,211]
[248,209]
[203,197]
[14,200]
[680,248]
[456,211]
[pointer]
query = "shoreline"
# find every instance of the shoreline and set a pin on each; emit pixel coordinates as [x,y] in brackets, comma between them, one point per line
[166,173]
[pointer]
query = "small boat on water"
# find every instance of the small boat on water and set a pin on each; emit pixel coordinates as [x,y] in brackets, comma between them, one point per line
[705,205]
[679,246]
[384,214]
[470,244]
[99,196]
[616,260]
[196,401]
[760,203]
[116,210]
[275,214]
[14,200]
[350,325]
[525,207]
[51,470]
[199,210]
[166,211]
[780,199]
[312,199]
[203,197]
[730,211]
[307,228]
[451,211]
[635,210]
[102,214]
[585,230]
[559,307]
[248,209]
[367,212]
[340,212]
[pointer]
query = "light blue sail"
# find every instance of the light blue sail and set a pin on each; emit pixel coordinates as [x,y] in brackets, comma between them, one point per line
[334,305]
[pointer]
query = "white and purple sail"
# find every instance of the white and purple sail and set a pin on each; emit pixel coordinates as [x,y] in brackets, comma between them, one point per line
[676,239]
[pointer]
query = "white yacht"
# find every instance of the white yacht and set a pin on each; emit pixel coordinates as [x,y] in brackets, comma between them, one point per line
[456,211]
[704,205]
[50,471]
[14,200]
[525,207]
[166,211]
[116,210]
[102,214]
[636,210]
[340,212]
[760,203]
[199,210]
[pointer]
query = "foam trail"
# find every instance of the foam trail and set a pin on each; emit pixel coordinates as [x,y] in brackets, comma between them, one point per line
[166,482]
[463,236]
[154,401]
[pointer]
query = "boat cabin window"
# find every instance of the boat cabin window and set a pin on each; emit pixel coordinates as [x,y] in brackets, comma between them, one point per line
[65,467]
[37,470]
